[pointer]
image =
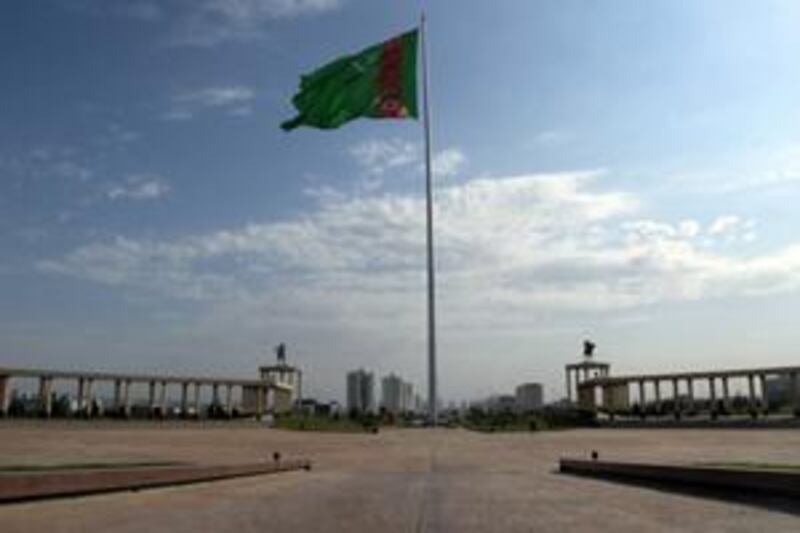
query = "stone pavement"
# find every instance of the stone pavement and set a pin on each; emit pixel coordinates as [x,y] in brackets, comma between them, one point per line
[402,480]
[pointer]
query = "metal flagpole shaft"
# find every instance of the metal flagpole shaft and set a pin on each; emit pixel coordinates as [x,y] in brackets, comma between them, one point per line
[433,408]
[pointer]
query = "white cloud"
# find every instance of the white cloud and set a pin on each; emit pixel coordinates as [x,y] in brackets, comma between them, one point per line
[551,137]
[47,164]
[121,134]
[31,234]
[745,172]
[723,224]
[140,187]
[515,257]
[206,22]
[216,96]
[491,231]
[448,162]
[649,230]
[116,135]
[141,9]
[689,228]
[177,115]
[242,111]
[41,154]
[235,100]
[506,248]
[379,156]
[731,228]
[144,10]
[211,22]
[69,169]
[249,10]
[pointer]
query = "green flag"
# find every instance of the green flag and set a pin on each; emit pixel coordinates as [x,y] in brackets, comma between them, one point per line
[379,82]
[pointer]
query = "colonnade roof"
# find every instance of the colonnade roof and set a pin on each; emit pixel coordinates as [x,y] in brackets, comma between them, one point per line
[706,374]
[143,378]
[279,368]
[588,364]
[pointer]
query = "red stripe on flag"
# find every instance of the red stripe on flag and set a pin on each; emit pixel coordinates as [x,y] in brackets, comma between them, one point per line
[390,81]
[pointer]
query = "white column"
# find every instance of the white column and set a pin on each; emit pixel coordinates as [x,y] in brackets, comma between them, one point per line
[657,387]
[229,401]
[197,399]
[184,399]
[163,399]
[726,401]
[569,384]
[81,395]
[45,398]
[300,387]
[117,396]
[259,402]
[126,399]
[152,397]
[712,391]
[89,396]
[676,402]
[4,394]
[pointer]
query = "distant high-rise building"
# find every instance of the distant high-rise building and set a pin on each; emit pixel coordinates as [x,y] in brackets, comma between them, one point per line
[529,397]
[361,391]
[419,405]
[408,397]
[397,395]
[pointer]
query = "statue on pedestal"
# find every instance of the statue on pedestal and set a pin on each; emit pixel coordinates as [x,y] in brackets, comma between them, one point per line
[588,348]
[280,352]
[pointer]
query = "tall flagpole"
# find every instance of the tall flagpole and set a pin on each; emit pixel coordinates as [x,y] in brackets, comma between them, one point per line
[433,408]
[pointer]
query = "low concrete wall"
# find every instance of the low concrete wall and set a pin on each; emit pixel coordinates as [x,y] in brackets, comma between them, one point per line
[741,422]
[776,483]
[25,487]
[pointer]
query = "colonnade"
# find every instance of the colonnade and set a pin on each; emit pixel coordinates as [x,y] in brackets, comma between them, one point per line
[616,390]
[585,371]
[157,387]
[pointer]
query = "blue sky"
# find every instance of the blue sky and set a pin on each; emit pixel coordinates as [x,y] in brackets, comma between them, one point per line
[624,170]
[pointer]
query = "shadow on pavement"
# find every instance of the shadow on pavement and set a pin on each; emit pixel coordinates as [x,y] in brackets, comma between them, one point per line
[782,504]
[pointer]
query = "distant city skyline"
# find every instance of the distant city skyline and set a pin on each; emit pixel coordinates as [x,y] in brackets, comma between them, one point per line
[623,171]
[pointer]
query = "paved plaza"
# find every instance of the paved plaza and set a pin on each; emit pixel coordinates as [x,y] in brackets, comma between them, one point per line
[399,480]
